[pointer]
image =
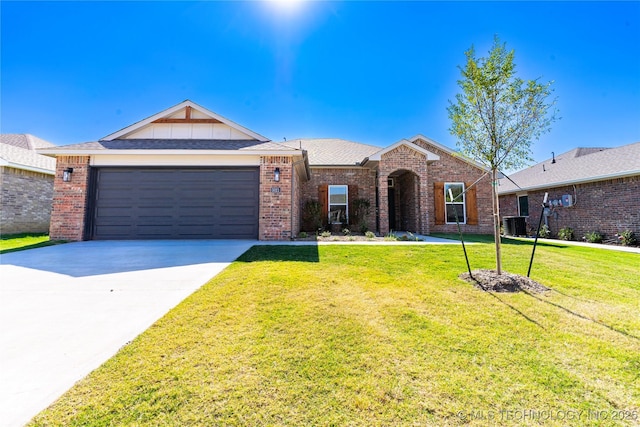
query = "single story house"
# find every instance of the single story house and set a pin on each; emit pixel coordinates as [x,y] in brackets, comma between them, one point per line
[187,173]
[26,184]
[589,189]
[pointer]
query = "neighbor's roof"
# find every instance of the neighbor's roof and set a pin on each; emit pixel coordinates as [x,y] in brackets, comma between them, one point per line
[168,144]
[18,151]
[577,166]
[333,151]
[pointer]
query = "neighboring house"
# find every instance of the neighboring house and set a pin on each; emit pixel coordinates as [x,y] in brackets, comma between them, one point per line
[188,172]
[26,184]
[590,189]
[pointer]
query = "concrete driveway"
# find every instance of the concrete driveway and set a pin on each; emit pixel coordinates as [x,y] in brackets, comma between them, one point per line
[66,309]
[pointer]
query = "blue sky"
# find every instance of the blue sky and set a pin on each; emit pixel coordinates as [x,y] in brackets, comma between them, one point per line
[372,72]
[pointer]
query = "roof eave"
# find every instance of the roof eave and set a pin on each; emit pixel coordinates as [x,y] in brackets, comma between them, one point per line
[9,164]
[55,153]
[571,182]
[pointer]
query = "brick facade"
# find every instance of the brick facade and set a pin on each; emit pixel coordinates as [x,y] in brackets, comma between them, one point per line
[25,201]
[607,207]
[404,163]
[362,178]
[452,169]
[276,199]
[70,199]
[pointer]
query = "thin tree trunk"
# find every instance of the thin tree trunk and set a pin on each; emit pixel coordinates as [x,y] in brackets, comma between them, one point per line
[496,219]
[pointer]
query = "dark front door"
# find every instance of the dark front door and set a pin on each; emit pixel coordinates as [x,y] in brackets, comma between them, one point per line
[175,203]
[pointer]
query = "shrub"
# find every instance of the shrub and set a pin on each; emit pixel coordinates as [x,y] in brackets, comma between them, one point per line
[325,234]
[303,235]
[565,233]
[370,235]
[312,215]
[361,209]
[346,232]
[593,237]
[627,238]
[544,232]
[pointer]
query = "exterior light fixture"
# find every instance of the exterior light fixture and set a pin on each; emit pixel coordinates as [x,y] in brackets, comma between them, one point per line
[66,174]
[276,175]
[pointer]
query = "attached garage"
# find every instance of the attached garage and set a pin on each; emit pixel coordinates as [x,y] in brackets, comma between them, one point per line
[173,203]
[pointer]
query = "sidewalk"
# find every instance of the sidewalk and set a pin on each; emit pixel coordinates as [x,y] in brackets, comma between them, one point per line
[632,249]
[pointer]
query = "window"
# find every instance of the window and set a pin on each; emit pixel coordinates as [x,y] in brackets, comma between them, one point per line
[456,203]
[523,205]
[338,208]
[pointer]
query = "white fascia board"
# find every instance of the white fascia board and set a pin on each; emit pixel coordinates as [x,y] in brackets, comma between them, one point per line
[175,152]
[428,154]
[171,110]
[571,182]
[5,163]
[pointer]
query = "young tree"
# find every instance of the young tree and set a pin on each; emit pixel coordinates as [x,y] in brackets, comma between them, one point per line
[497,116]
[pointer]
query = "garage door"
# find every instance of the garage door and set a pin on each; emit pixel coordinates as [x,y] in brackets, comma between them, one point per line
[186,203]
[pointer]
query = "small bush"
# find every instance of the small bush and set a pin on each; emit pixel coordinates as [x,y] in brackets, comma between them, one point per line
[627,238]
[303,235]
[325,234]
[391,237]
[346,232]
[370,235]
[565,233]
[544,232]
[593,237]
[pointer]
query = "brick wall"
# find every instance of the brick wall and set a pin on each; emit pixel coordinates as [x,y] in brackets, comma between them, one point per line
[399,161]
[70,199]
[25,201]
[276,199]
[607,207]
[452,169]
[363,178]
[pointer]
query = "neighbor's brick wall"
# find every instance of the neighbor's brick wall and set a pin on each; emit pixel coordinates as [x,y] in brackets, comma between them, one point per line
[70,199]
[405,158]
[275,207]
[363,178]
[25,201]
[607,207]
[451,169]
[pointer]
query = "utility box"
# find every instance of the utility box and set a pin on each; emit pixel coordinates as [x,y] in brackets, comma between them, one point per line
[567,200]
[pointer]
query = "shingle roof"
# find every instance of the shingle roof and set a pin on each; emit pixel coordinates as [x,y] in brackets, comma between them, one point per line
[575,166]
[173,144]
[333,151]
[17,150]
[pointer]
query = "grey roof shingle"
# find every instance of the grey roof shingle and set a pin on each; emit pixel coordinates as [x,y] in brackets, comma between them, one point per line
[173,144]
[18,151]
[333,151]
[575,166]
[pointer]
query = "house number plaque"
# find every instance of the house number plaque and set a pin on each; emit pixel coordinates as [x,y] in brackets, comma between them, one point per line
[275,189]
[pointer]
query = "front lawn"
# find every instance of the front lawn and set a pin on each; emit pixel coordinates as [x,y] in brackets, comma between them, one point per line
[20,242]
[382,335]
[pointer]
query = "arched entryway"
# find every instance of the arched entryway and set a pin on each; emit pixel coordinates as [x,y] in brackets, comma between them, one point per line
[403,201]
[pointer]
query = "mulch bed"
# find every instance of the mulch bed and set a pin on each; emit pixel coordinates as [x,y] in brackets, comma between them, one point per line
[490,281]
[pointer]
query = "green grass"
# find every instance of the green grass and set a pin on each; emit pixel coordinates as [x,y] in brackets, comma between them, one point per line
[379,336]
[20,242]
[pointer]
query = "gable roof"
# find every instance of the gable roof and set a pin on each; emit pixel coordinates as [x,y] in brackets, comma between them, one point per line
[18,151]
[187,105]
[332,151]
[580,165]
[428,154]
